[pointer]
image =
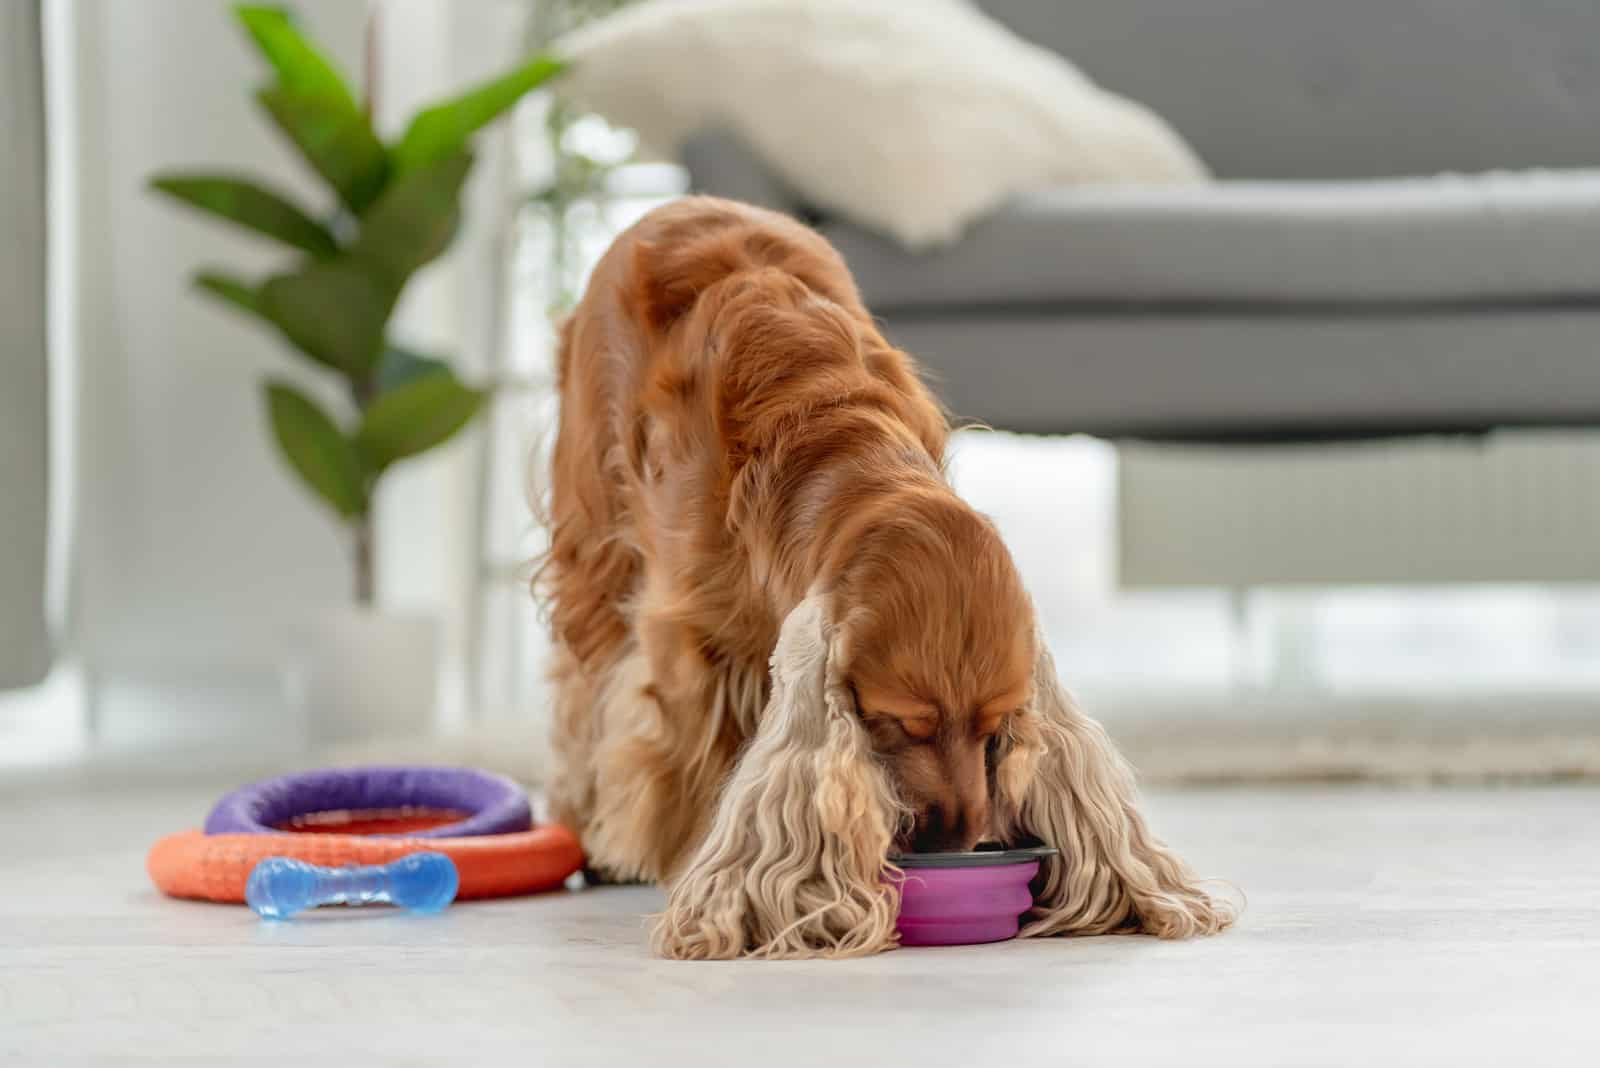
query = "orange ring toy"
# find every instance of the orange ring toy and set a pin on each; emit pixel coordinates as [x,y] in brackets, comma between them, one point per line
[215,867]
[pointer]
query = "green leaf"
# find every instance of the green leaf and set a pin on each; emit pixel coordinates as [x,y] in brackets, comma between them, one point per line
[443,130]
[415,417]
[414,220]
[250,205]
[324,458]
[398,366]
[241,295]
[300,66]
[337,140]
[334,311]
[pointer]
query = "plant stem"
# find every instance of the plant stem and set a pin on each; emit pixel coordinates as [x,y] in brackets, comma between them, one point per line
[365,564]
[363,391]
[369,60]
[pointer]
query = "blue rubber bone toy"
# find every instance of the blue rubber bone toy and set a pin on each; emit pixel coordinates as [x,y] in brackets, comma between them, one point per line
[280,887]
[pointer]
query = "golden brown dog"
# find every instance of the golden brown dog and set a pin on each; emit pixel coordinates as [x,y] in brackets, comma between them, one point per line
[784,647]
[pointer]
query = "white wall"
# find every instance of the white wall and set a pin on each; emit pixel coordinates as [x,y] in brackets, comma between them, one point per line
[198,555]
[196,552]
[428,535]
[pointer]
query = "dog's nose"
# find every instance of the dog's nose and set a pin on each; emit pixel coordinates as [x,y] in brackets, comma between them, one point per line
[931,832]
[951,827]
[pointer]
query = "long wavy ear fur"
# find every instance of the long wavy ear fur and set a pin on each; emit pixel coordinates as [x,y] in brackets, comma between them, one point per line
[793,865]
[1066,785]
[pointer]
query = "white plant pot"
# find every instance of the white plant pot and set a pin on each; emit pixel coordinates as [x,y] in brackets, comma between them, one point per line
[364,674]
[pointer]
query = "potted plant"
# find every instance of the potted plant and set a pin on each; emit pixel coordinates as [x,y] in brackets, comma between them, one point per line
[392,209]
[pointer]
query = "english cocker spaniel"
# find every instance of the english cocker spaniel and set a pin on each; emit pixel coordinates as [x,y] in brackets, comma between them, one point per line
[785,649]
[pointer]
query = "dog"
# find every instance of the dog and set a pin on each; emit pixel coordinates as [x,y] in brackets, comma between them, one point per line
[785,649]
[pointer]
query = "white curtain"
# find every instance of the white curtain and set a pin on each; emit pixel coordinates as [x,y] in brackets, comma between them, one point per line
[24,441]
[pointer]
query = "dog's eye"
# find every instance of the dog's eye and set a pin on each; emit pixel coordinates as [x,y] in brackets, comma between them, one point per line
[915,728]
[889,733]
[988,721]
[920,728]
[916,719]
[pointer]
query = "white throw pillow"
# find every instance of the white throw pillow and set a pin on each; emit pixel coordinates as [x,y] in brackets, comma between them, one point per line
[910,116]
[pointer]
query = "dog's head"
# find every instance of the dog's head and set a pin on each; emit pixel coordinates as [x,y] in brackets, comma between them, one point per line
[797,860]
[936,647]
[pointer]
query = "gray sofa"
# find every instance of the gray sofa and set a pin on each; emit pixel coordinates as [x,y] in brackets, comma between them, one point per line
[1353,271]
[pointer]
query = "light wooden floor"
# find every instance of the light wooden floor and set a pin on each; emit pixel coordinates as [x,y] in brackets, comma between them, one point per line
[1385,927]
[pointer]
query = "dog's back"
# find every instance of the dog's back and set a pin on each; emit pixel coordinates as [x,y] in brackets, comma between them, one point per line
[720,358]
[636,360]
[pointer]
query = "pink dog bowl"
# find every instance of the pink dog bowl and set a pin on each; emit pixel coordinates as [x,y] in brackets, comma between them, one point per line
[957,899]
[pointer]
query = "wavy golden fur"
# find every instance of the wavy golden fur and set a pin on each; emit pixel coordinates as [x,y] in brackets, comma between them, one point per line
[784,647]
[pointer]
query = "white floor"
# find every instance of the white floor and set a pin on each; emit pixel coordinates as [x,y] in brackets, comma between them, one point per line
[1385,927]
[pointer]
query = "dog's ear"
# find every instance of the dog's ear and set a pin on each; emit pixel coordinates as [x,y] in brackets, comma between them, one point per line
[1064,783]
[793,864]
[669,276]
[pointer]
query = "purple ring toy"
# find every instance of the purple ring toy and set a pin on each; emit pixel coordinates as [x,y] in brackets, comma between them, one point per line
[495,804]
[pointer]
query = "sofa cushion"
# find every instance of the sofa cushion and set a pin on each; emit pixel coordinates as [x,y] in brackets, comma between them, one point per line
[1508,237]
[912,118]
[1297,374]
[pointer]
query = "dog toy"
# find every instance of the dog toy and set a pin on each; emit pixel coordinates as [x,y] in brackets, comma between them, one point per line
[279,887]
[216,867]
[957,899]
[479,802]
[368,816]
